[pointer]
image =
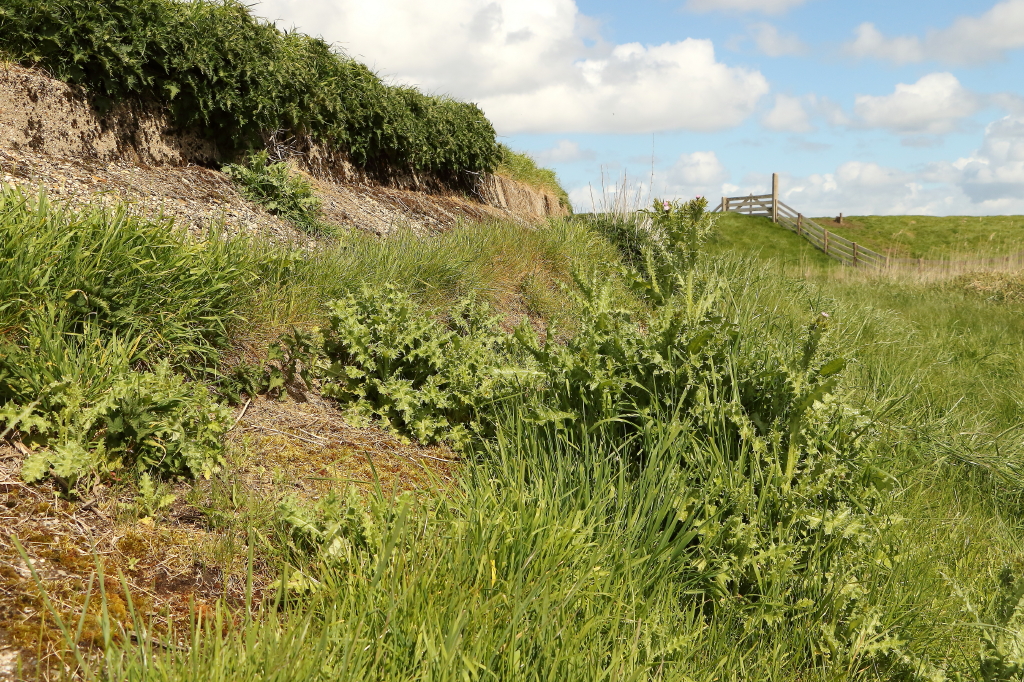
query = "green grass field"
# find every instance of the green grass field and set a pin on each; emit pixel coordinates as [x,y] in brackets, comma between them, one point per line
[932,236]
[740,235]
[903,236]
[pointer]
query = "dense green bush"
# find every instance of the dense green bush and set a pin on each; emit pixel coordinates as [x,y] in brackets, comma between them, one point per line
[236,78]
[427,379]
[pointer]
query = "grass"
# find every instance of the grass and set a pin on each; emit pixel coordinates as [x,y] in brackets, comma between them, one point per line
[745,235]
[932,236]
[650,529]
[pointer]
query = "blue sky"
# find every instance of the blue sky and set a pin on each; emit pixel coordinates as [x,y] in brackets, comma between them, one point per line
[868,107]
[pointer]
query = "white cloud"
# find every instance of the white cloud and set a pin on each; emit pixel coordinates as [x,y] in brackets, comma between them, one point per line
[968,40]
[566,151]
[990,181]
[933,105]
[870,42]
[763,6]
[528,64]
[769,41]
[695,174]
[636,89]
[788,115]
[995,173]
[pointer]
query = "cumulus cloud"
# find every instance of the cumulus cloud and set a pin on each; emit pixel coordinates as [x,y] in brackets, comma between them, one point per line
[968,40]
[769,41]
[788,115]
[934,105]
[566,151]
[691,175]
[636,89]
[535,65]
[995,173]
[990,181]
[763,6]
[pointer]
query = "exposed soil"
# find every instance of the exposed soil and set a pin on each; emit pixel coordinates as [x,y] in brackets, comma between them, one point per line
[50,137]
[196,198]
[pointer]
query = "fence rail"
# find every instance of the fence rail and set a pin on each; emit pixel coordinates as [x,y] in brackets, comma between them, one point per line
[842,249]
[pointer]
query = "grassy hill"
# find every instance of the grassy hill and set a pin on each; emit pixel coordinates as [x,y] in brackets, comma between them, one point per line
[739,234]
[906,236]
[932,236]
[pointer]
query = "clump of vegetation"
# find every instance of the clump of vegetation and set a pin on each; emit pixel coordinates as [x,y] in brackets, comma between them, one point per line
[279,190]
[97,311]
[415,374]
[523,168]
[1000,287]
[234,77]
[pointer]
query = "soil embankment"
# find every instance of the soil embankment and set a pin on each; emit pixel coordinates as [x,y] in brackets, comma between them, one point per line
[52,136]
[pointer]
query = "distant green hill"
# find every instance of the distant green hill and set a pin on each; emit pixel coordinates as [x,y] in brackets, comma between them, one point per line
[916,236]
[905,236]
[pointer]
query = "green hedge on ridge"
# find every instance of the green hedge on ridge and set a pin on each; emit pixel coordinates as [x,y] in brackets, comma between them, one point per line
[232,76]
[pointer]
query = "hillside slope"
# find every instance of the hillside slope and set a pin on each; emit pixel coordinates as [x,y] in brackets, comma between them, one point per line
[51,136]
[742,234]
[918,236]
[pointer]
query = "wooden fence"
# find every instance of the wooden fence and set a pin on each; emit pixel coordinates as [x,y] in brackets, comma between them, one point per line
[844,250]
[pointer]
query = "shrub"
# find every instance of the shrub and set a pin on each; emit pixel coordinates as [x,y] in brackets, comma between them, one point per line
[234,78]
[279,190]
[659,245]
[390,360]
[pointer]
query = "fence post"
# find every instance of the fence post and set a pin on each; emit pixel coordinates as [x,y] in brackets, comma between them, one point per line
[775,197]
[826,242]
[725,205]
[799,223]
[855,254]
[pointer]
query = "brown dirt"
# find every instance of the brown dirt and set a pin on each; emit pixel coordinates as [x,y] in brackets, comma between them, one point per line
[186,558]
[42,115]
[196,197]
[51,137]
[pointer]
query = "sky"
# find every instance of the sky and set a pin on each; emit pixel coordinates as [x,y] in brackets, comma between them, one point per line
[868,107]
